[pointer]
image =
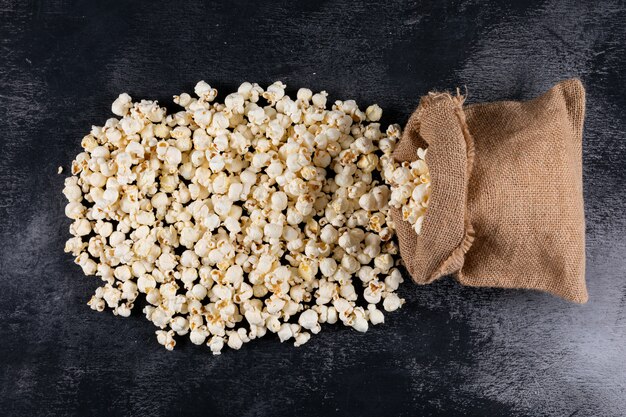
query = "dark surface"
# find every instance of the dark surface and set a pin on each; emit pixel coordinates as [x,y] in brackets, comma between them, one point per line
[450,350]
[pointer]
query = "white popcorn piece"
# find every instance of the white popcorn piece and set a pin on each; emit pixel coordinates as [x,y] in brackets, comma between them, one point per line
[375,315]
[373,113]
[309,320]
[121,105]
[392,302]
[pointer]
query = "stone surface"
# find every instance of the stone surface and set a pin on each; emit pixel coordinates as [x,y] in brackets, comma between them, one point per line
[450,350]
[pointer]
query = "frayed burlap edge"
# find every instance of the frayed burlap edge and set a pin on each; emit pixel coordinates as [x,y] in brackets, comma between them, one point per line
[453,255]
[455,262]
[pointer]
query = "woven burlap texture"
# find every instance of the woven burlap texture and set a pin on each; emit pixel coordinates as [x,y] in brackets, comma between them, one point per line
[506,206]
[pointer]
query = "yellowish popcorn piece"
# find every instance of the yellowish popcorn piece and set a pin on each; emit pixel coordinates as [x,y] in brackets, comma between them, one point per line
[373,113]
[262,214]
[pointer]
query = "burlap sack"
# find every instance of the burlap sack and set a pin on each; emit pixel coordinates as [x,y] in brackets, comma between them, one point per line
[506,206]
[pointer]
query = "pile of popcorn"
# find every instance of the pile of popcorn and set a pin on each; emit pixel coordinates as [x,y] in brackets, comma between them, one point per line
[260,214]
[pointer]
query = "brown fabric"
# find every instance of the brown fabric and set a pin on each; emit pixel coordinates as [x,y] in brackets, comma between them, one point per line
[506,205]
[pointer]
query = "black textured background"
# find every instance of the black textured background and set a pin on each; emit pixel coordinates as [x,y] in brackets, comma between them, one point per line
[450,351]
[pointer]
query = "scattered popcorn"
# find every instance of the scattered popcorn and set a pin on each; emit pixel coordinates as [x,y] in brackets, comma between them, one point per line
[59,170]
[262,214]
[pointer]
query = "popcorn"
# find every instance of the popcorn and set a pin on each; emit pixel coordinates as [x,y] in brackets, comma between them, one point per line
[392,302]
[375,315]
[410,188]
[121,105]
[240,219]
[373,113]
